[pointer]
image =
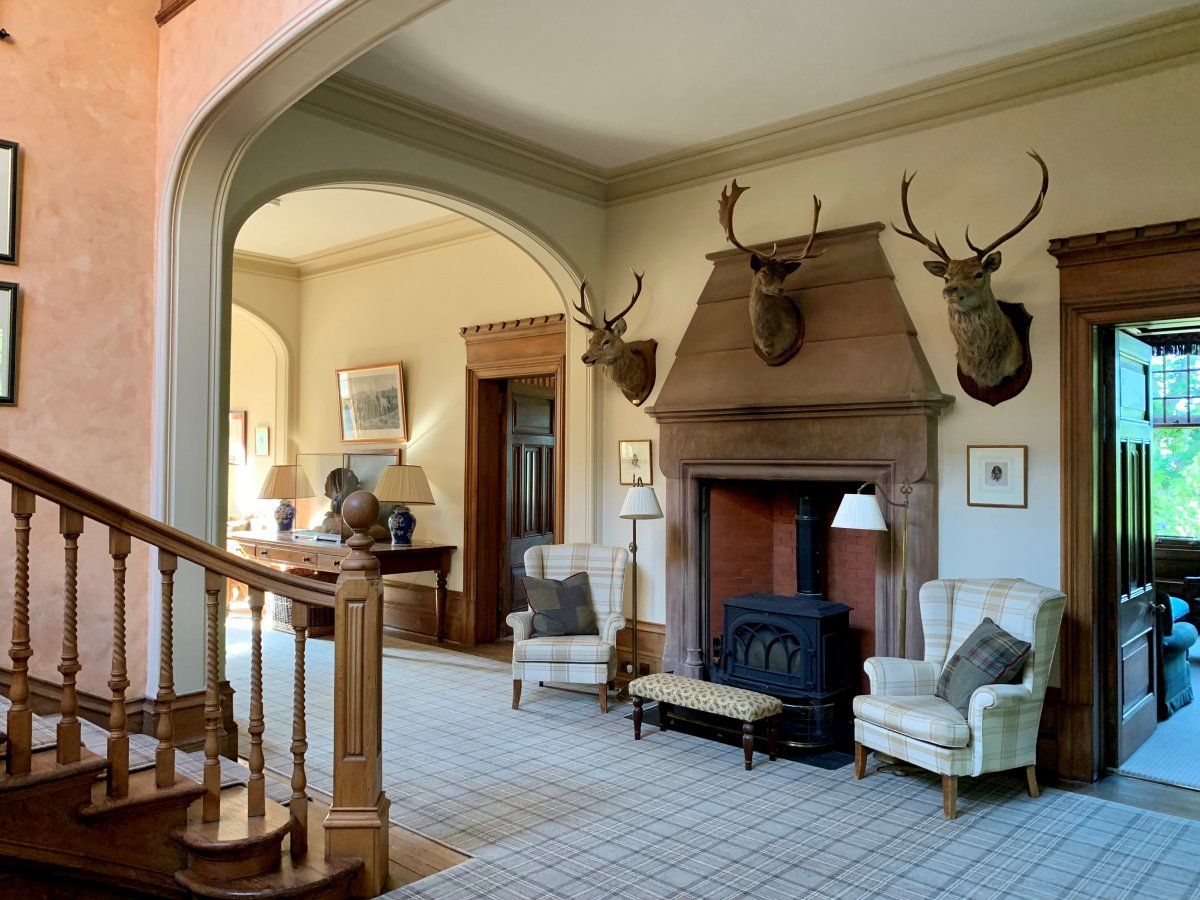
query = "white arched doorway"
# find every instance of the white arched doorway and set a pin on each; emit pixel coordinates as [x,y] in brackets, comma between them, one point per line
[220,173]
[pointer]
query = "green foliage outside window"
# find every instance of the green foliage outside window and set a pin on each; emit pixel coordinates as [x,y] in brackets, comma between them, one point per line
[1175,482]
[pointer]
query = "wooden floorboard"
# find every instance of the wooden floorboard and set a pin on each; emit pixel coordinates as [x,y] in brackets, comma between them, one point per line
[1136,792]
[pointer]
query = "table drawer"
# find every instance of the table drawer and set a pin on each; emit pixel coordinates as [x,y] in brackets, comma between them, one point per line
[306,558]
[329,563]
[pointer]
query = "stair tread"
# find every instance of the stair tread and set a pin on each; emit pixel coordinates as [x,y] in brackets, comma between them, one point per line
[44,768]
[234,831]
[143,794]
[305,877]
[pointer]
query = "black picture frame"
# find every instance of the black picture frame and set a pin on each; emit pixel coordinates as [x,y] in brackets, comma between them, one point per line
[10,295]
[9,168]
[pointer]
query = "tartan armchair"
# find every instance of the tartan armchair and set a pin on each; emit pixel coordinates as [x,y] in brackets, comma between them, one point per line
[579,658]
[903,718]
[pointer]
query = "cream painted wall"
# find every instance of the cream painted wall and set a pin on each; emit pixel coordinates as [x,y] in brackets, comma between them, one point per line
[410,309]
[1120,155]
[253,365]
[79,88]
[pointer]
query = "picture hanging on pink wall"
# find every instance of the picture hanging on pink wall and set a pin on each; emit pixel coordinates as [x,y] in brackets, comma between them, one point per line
[8,343]
[8,202]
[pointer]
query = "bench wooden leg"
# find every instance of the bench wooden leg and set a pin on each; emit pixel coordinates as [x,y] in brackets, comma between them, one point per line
[772,736]
[748,743]
[637,718]
[516,692]
[860,760]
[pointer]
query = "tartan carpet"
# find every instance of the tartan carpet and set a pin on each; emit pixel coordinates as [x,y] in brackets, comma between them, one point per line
[556,800]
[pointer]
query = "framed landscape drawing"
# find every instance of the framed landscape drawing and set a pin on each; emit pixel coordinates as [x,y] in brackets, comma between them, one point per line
[8,344]
[371,403]
[8,202]
[997,475]
[636,462]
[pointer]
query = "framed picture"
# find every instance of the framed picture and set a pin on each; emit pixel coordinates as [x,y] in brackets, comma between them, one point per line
[8,343]
[636,462]
[8,202]
[237,437]
[371,403]
[262,441]
[997,475]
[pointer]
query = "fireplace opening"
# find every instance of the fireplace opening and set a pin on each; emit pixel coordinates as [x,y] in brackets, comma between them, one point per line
[787,603]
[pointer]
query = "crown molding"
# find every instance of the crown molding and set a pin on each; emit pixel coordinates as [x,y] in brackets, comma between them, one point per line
[367,106]
[265,264]
[1123,51]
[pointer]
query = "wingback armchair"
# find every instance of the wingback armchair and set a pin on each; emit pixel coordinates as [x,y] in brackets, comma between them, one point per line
[578,658]
[902,716]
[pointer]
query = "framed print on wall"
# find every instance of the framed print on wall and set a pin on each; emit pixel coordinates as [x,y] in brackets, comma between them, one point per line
[8,343]
[237,437]
[997,475]
[8,202]
[636,462]
[262,440]
[371,403]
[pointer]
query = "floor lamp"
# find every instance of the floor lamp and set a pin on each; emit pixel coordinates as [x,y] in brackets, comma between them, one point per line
[640,503]
[859,510]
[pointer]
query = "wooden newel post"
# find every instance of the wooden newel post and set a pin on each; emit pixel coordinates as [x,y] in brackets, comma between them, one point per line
[357,825]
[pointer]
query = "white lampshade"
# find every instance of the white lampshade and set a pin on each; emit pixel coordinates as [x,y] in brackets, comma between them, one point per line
[859,511]
[404,484]
[285,483]
[641,503]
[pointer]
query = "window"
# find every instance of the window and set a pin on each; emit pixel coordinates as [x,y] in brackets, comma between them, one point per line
[1175,413]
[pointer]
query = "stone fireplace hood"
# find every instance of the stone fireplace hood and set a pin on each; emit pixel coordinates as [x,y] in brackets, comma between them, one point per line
[860,353]
[857,403]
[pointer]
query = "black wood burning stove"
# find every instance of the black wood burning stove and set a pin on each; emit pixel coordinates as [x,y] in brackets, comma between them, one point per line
[797,648]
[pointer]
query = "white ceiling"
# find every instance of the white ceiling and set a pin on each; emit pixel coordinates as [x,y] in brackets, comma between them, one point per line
[614,82]
[314,221]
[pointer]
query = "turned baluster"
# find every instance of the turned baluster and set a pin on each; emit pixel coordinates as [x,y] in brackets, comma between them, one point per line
[299,802]
[212,702]
[164,754]
[119,545]
[256,804]
[70,526]
[20,717]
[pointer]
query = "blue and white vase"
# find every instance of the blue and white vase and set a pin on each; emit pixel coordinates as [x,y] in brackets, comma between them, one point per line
[401,524]
[285,516]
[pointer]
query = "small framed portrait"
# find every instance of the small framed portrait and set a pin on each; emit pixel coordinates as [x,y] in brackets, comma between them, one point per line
[262,440]
[997,475]
[636,462]
[237,437]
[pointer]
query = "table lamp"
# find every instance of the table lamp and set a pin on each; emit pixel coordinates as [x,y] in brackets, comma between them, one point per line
[859,510]
[640,503]
[285,484]
[403,486]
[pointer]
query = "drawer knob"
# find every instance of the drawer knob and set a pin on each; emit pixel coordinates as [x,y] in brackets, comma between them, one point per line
[264,551]
[307,559]
[337,563]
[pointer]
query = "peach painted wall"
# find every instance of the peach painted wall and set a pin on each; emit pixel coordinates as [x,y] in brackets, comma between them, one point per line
[199,48]
[79,97]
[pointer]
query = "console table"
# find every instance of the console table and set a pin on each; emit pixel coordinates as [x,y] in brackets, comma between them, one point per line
[286,551]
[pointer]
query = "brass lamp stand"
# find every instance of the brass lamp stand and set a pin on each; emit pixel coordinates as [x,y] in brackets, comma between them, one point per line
[640,503]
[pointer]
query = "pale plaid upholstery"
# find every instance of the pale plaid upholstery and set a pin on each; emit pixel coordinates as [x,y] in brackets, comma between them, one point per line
[1002,720]
[574,659]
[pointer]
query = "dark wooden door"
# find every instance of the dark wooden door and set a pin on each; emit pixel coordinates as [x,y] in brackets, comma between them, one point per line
[1128,544]
[529,449]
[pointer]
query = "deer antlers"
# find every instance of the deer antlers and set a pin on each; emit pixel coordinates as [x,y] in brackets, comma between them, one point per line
[980,252]
[590,324]
[729,198]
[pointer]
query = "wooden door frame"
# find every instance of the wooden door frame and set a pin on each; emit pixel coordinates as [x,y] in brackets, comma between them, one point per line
[497,352]
[1106,279]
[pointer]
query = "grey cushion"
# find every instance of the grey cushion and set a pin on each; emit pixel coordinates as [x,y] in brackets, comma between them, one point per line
[989,655]
[560,607]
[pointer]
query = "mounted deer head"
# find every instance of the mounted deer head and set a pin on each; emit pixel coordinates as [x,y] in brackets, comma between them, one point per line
[629,364]
[992,336]
[775,320]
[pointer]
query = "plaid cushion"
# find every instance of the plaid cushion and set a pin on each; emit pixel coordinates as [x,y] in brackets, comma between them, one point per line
[571,648]
[989,655]
[560,607]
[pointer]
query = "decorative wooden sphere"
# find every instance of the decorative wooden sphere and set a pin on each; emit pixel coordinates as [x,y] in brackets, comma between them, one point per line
[360,510]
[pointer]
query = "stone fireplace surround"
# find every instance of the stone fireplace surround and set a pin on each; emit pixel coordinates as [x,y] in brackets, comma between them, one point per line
[858,403]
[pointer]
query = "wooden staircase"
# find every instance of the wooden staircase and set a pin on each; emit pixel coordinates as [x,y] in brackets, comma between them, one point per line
[86,816]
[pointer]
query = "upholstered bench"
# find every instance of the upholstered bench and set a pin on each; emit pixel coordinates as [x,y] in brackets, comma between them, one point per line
[674,690]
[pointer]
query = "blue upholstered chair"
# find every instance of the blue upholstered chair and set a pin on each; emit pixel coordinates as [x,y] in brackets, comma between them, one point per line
[1178,637]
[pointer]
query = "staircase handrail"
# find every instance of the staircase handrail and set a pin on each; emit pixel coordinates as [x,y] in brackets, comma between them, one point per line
[58,490]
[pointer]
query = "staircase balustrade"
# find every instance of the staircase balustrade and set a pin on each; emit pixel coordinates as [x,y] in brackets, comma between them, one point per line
[357,826]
